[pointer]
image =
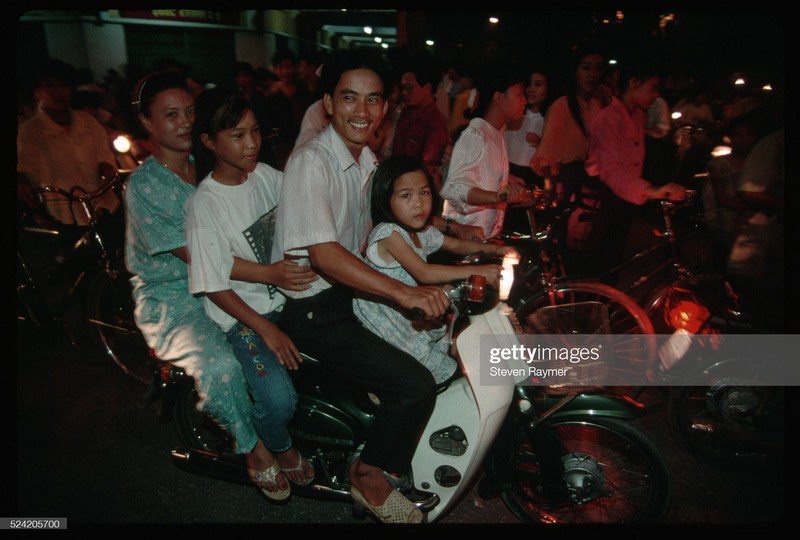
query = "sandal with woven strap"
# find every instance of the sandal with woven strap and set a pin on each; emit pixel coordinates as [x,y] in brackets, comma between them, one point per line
[269,477]
[396,508]
[301,467]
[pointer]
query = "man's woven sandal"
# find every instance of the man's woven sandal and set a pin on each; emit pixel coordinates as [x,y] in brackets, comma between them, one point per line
[269,476]
[396,508]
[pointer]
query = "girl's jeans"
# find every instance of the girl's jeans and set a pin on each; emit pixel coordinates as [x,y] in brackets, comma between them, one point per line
[270,385]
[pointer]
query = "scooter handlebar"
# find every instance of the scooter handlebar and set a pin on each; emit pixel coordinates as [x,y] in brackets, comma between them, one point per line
[472,289]
[416,314]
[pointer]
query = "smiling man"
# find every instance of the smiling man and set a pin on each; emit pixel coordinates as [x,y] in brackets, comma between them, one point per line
[324,214]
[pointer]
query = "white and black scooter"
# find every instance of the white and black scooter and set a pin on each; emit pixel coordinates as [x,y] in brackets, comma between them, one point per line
[555,455]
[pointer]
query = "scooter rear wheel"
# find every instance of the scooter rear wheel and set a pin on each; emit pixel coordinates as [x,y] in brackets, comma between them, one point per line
[196,429]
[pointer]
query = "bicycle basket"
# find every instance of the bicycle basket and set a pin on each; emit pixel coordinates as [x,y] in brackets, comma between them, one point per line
[577,318]
[572,327]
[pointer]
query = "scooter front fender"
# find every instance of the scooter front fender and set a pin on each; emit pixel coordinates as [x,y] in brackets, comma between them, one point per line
[601,402]
[466,418]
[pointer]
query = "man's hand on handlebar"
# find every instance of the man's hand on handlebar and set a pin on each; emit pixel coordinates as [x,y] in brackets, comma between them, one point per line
[670,191]
[503,250]
[431,300]
[544,167]
[515,192]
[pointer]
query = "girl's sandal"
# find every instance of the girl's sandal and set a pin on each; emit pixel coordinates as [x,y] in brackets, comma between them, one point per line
[301,467]
[396,508]
[269,478]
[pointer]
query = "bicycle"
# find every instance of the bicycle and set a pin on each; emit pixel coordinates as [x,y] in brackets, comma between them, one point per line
[548,301]
[715,406]
[679,279]
[86,289]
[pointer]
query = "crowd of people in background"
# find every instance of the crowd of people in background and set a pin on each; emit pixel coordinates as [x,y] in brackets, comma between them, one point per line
[689,114]
[456,149]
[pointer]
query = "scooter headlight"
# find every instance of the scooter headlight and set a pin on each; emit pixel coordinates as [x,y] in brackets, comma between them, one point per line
[507,275]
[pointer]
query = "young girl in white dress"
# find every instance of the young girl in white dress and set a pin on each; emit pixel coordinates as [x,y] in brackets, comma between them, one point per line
[399,244]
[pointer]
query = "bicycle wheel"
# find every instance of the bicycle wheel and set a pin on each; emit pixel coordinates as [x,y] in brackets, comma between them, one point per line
[110,312]
[32,307]
[612,473]
[570,307]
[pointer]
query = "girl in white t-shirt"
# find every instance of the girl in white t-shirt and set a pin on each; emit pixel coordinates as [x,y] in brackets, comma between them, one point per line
[522,139]
[232,215]
[398,246]
[523,134]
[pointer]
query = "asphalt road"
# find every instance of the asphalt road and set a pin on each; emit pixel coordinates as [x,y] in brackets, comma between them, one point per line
[87,449]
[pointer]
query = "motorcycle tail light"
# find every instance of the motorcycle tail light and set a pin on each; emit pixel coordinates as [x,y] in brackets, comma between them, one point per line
[685,312]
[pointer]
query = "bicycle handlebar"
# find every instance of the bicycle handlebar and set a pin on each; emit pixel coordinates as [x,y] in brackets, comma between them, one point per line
[77,195]
[72,194]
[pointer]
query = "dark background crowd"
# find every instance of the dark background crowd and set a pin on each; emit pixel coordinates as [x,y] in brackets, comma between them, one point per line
[720,70]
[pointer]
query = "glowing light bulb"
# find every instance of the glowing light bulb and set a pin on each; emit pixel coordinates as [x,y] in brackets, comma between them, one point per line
[122,144]
[507,275]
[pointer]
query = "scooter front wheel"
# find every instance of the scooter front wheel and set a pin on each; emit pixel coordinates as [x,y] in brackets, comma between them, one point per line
[586,470]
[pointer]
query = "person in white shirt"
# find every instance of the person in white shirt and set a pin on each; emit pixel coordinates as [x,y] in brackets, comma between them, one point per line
[231,214]
[522,140]
[315,119]
[478,187]
[523,135]
[324,217]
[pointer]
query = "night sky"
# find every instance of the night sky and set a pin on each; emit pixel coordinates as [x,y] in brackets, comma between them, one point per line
[707,44]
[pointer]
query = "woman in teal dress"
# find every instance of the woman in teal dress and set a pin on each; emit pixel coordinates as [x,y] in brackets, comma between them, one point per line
[173,321]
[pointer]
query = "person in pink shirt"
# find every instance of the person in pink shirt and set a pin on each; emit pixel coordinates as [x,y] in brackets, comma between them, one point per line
[564,141]
[615,157]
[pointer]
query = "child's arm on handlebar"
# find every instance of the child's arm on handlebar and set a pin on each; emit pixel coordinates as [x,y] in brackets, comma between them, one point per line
[465,247]
[337,263]
[394,247]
